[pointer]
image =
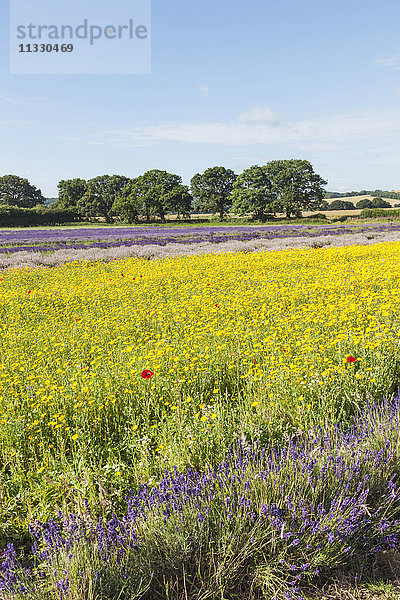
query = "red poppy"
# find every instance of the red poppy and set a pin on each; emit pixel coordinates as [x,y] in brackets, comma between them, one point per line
[146,374]
[351,359]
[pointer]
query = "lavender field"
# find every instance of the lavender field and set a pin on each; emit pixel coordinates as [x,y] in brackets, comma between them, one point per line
[54,246]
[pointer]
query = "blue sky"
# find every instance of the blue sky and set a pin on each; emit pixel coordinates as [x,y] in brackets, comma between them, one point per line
[231,83]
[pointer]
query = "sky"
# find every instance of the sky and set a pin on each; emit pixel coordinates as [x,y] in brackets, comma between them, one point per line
[231,83]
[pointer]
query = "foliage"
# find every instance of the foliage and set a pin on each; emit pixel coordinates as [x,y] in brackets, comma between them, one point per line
[341,205]
[253,192]
[281,185]
[16,191]
[154,193]
[374,213]
[379,193]
[374,203]
[364,203]
[379,203]
[13,216]
[213,189]
[265,520]
[70,192]
[100,195]
[322,205]
[296,185]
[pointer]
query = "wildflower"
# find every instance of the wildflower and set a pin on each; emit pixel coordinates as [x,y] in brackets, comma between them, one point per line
[351,359]
[146,374]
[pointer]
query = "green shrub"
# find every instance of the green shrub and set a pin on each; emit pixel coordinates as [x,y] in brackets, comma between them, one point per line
[341,205]
[365,203]
[374,213]
[379,203]
[13,216]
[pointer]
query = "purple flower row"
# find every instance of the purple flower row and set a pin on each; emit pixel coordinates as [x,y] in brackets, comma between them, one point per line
[50,240]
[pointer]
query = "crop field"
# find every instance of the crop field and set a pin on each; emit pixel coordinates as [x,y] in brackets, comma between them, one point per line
[50,247]
[214,426]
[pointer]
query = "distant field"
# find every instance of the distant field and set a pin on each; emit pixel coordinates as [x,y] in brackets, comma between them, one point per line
[332,214]
[355,199]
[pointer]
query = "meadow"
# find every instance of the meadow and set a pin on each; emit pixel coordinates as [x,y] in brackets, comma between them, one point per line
[214,426]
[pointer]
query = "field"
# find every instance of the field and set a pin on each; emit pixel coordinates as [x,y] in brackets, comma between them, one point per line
[237,395]
[53,246]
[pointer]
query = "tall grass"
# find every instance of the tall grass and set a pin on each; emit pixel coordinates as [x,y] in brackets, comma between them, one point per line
[262,523]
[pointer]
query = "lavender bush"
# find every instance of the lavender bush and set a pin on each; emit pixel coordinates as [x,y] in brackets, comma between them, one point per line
[259,525]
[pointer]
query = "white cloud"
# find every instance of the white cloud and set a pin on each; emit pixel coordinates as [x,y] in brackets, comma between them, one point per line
[392,62]
[203,89]
[260,125]
[259,114]
[10,100]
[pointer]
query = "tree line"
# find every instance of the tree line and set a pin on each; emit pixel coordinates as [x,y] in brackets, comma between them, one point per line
[288,186]
[375,193]
[363,203]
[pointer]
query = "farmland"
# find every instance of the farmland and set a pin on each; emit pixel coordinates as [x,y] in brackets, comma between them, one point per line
[179,377]
[49,247]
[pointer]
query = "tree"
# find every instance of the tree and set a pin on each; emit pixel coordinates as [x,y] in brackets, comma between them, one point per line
[213,189]
[70,191]
[100,195]
[253,193]
[380,203]
[180,201]
[153,193]
[16,191]
[127,204]
[296,185]
[323,205]
[341,205]
[364,203]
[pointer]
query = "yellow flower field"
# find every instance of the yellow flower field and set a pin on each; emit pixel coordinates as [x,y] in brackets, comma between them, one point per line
[237,344]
